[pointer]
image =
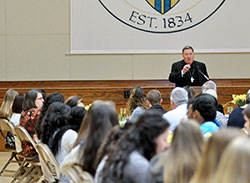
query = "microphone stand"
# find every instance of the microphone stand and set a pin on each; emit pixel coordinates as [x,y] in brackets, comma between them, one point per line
[204,75]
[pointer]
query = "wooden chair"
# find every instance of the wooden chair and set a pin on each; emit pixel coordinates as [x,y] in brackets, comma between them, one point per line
[7,127]
[30,170]
[50,166]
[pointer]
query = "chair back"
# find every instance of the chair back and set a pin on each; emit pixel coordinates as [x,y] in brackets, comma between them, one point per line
[49,160]
[7,126]
[24,135]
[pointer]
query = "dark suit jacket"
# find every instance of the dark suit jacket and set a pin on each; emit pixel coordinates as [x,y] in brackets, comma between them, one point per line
[195,71]
[158,108]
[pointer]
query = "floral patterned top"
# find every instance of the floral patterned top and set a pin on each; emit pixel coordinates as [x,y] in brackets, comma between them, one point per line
[28,120]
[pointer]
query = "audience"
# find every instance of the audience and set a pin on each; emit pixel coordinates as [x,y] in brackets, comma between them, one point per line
[179,162]
[6,113]
[17,109]
[246,113]
[53,97]
[154,100]
[55,131]
[178,102]
[129,161]
[32,105]
[236,118]
[90,145]
[203,109]
[107,146]
[96,125]
[76,116]
[137,103]
[212,154]
[75,101]
[210,85]
[220,117]
[234,165]
[191,92]
[6,106]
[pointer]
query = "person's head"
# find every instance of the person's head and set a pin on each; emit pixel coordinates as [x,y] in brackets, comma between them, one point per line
[6,106]
[202,108]
[234,165]
[137,98]
[248,98]
[77,114]
[190,90]
[33,99]
[246,113]
[212,153]
[186,135]
[142,137]
[180,161]
[178,96]
[109,143]
[154,97]
[43,92]
[56,117]
[97,123]
[53,97]
[188,54]
[211,92]
[18,103]
[75,101]
[209,85]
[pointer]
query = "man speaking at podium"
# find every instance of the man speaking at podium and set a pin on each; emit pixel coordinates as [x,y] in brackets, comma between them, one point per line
[188,72]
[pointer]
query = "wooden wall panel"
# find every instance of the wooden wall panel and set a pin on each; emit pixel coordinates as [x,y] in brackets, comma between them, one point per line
[114,90]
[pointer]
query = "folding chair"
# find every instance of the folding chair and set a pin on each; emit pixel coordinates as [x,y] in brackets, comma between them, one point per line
[50,166]
[30,170]
[8,127]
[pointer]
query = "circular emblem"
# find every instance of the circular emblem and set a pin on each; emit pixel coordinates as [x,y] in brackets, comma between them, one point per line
[162,16]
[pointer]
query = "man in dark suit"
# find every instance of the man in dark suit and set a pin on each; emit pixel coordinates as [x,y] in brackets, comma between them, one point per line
[154,100]
[188,72]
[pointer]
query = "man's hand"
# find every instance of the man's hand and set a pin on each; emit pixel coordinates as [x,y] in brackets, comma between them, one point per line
[186,68]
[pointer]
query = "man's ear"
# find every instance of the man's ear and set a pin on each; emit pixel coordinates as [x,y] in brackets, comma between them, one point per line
[161,101]
[172,104]
[150,105]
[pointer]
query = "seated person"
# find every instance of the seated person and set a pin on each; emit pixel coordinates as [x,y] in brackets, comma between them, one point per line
[202,109]
[154,100]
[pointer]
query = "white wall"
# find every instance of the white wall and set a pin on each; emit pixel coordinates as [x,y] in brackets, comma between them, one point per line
[35,40]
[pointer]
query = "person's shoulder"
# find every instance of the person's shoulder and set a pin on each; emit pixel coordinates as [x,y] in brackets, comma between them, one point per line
[199,62]
[178,62]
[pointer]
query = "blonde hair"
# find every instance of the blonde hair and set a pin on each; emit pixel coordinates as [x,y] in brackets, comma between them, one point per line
[234,165]
[212,154]
[6,107]
[179,162]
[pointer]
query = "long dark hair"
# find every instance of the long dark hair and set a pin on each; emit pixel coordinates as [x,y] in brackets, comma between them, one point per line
[53,97]
[98,122]
[109,143]
[54,124]
[137,98]
[139,137]
[76,116]
[30,99]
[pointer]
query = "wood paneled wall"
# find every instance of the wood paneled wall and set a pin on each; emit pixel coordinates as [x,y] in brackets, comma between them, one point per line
[114,89]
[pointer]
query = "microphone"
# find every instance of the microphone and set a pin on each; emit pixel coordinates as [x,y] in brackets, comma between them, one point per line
[204,75]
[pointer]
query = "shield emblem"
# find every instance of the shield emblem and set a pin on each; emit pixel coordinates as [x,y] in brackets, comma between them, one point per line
[162,6]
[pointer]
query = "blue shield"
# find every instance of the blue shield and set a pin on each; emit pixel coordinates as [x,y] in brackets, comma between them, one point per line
[162,6]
